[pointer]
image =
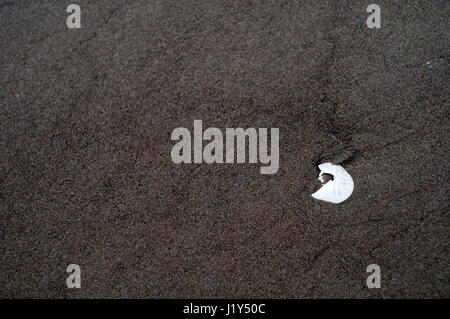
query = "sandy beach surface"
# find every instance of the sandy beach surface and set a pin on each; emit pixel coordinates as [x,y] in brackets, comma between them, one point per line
[86,176]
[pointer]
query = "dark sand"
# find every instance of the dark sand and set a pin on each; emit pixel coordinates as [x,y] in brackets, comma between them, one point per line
[86,174]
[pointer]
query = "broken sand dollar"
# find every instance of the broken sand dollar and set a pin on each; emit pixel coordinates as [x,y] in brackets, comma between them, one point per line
[337,190]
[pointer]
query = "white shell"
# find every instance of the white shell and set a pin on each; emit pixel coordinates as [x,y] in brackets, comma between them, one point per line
[337,190]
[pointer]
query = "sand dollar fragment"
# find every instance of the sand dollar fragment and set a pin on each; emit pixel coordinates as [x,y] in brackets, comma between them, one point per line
[337,190]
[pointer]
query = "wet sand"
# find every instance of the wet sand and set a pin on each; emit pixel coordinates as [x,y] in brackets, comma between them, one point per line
[87,178]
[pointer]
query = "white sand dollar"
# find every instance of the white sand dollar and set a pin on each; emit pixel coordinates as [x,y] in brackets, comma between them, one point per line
[337,190]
